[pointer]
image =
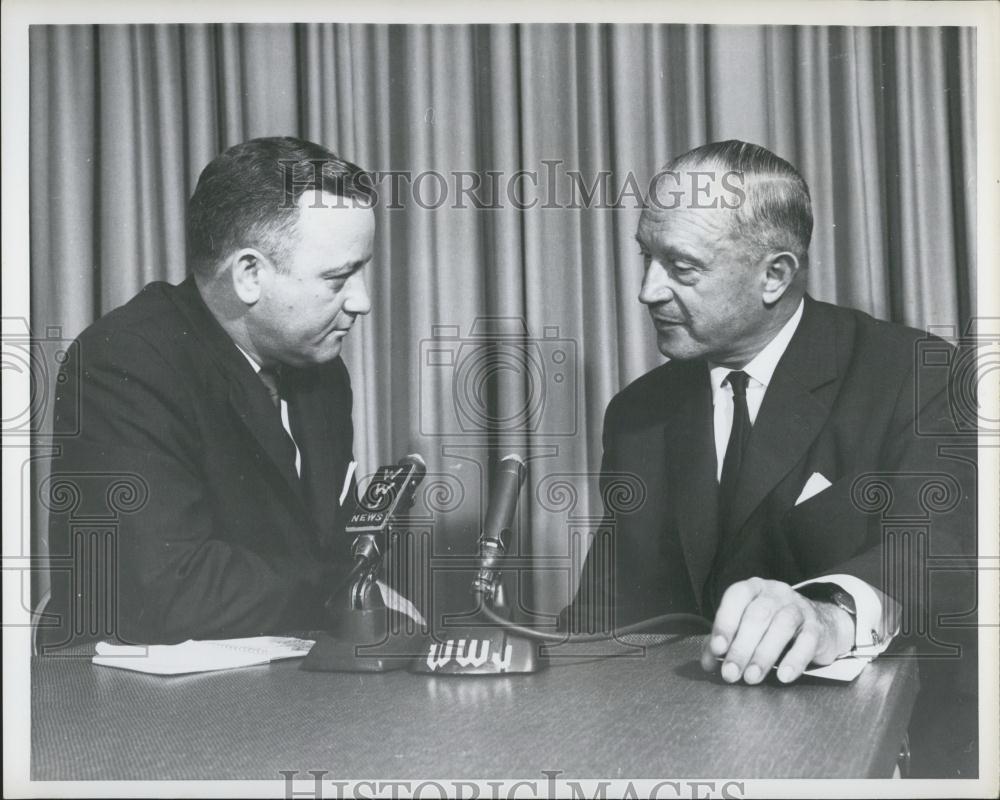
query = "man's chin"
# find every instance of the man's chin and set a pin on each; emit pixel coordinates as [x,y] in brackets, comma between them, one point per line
[328,352]
[676,345]
[317,356]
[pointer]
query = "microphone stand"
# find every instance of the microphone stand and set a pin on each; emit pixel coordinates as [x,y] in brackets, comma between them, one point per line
[485,648]
[364,635]
[482,647]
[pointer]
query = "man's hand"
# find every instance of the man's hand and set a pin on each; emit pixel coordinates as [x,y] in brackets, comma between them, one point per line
[756,621]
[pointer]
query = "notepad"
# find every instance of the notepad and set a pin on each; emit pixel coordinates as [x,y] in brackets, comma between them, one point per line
[201,656]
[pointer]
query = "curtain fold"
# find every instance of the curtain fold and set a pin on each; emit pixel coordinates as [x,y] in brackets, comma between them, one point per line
[881,122]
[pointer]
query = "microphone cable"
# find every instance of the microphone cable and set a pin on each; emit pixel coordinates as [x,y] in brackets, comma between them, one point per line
[568,638]
[497,525]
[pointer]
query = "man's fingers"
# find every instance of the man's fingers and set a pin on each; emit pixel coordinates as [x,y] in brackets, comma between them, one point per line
[708,661]
[730,614]
[801,653]
[754,624]
[784,626]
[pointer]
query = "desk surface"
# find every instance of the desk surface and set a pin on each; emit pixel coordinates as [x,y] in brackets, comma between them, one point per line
[656,715]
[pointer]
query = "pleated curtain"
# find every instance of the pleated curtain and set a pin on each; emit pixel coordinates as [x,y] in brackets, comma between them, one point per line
[880,121]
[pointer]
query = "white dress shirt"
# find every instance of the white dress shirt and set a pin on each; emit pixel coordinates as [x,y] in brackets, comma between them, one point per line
[284,414]
[760,371]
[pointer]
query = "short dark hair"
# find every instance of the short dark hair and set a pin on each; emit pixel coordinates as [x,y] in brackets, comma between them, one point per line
[247,196]
[776,213]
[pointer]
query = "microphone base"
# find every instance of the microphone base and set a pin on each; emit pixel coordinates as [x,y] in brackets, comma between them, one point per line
[482,652]
[370,640]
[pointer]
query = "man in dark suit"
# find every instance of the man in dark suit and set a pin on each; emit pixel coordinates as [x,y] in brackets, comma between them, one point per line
[221,407]
[767,444]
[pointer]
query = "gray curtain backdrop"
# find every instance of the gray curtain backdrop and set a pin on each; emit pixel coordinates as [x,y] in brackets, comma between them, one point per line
[881,122]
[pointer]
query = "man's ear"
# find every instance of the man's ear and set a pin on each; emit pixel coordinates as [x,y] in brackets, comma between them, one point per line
[246,267]
[780,270]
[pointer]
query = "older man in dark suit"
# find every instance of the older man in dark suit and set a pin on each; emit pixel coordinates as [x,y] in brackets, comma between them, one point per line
[224,403]
[762,440]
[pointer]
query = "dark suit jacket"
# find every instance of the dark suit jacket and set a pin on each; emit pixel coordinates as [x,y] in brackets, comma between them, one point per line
[208,531]
[846,400]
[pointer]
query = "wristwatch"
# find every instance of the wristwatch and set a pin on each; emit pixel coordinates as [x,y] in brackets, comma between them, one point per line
[830,593]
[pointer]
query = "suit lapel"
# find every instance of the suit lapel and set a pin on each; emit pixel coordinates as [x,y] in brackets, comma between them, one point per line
[321,446]
[691,472]
[794,411]
[263,422]
[247,395]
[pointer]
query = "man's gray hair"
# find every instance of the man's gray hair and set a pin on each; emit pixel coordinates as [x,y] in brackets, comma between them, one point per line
[776,212]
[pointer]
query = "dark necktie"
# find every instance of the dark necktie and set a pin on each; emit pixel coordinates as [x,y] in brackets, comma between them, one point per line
[739,435]
[269,377]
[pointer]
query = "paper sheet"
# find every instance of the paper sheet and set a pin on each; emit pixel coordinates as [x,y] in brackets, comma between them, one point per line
[843,669]
[200,656]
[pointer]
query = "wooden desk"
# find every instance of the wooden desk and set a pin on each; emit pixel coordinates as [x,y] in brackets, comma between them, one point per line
[652,716]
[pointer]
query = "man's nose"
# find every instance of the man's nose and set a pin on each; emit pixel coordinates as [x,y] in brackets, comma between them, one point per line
[655,285]
[357,300]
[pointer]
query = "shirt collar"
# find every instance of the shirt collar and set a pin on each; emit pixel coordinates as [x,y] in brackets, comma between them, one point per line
[250,358]
[761,367]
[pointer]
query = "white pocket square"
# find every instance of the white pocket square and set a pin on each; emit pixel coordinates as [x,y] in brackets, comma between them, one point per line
[816,484]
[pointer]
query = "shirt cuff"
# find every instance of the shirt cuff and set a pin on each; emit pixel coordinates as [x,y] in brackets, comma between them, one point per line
[871,636]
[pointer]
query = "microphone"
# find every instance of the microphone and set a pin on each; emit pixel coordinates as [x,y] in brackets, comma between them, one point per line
[495,538]
[361,637]
[390,492]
